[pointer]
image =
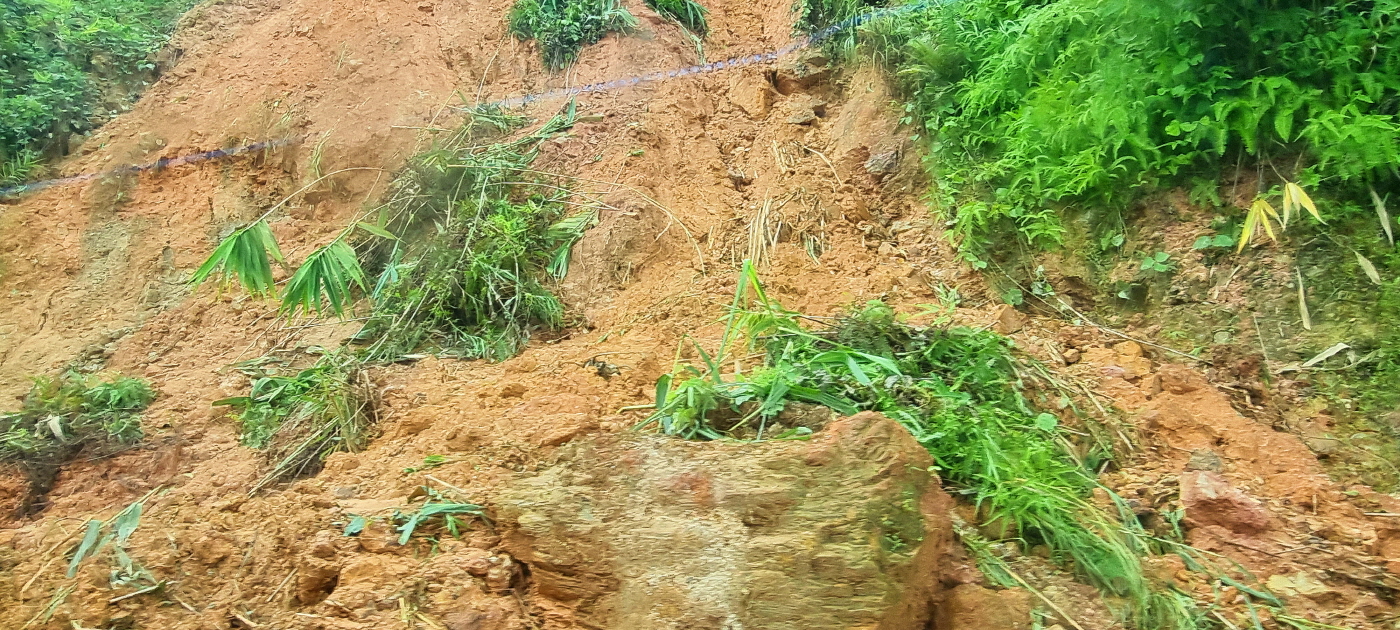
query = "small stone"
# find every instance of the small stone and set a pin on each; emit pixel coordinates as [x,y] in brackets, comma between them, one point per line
[1205,459]
[804,117]
[513,390]
[1209,499]
[1071,356]
[345,492]
[1006,319]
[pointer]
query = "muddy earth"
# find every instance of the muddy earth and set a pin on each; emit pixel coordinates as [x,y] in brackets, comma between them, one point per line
[587,524]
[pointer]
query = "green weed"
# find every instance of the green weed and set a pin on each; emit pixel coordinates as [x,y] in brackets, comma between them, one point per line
[960,392]
[449,512]
[815,15]
[563,27]
[67,415]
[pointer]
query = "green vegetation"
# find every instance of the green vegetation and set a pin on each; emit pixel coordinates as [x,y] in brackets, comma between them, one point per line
[68,415]
[959,391]
[1028,107]
[482,234]
[563,27]
[458,264]
[303,418]
[687,13]
[815,15]
[62,62]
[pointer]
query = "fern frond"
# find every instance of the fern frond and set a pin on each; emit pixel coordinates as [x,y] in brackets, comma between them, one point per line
[324,281]
[247,254]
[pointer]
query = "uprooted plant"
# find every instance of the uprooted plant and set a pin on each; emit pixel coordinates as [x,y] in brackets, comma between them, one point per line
[458,264]
[66,415]
[301,418]
[962,394]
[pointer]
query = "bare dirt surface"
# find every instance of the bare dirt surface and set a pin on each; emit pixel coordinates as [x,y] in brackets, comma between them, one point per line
[692,172]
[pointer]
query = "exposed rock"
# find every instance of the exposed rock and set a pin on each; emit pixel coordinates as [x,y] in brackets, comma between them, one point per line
[1205,459]
[844,531]
[971,607]
[1210,500]
[802,73]
[1006,319]
[752,94]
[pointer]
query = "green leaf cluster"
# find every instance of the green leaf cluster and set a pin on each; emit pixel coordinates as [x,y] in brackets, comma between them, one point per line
[687,13]
[563,27]
[301,417]
[64,416]
[1027,107]
[61,59]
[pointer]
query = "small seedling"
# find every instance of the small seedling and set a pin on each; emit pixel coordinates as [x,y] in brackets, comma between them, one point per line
[1208,241]
[1157,262]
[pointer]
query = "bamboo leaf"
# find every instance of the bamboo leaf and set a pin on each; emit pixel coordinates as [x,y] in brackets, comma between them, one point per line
[1383,215]
[377,231]
[324,281]
[94,529]
[1367,267]
[1300,197]
[244,255]
[1303,302]
[1290,202]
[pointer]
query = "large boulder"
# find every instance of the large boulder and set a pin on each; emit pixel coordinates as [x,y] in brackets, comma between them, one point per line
[846,530]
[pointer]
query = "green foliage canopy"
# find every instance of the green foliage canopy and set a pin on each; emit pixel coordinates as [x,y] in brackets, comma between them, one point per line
[1027,106]
[57,57]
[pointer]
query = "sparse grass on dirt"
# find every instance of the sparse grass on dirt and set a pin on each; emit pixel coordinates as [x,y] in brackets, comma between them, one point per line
[961,392]
[563,27]
[70,414]
[687,13]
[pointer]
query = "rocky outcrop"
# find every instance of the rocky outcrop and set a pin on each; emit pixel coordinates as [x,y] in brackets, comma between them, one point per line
[846,530]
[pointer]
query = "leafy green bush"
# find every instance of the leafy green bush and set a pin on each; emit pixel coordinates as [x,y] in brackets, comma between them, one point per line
[57,58]
[815,15]
[479,236]
[71,414]
[1029,106]
[687,13]
[564,27]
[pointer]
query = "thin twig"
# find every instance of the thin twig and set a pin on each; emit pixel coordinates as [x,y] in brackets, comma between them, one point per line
[132,594]
[282,585]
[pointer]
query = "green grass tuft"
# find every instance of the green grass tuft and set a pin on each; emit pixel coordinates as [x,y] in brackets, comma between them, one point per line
[688,13]
[563,27]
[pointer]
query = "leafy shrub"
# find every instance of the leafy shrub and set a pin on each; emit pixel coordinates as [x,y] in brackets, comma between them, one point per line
[482,234]
[687,13]
[60,57]
[815,15]
[1028,106]
[67,415]
[563,27]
